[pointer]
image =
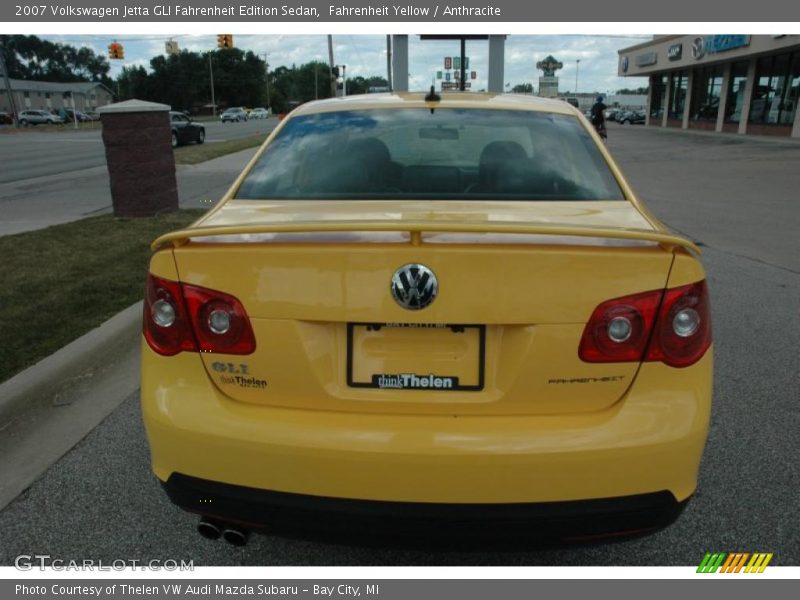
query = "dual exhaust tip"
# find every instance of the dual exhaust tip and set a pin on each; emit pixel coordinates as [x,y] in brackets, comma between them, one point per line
[213,530]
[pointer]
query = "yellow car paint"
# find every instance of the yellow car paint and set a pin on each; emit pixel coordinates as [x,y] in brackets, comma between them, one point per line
[545,427]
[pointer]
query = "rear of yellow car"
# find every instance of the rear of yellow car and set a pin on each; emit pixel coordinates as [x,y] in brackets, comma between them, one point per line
[455,344]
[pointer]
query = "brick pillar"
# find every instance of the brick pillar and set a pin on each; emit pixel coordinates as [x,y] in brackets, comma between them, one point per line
[138,140]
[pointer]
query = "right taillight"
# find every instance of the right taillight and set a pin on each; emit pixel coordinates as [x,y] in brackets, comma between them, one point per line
[182,317]
[672,326]
[683,328]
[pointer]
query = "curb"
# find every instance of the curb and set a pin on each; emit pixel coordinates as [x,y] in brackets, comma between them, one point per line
[44,382]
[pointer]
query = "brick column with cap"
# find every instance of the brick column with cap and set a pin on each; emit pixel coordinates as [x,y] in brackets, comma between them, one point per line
[141,166]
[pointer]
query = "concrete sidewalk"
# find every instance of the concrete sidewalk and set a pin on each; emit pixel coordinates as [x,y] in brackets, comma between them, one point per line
[32,204]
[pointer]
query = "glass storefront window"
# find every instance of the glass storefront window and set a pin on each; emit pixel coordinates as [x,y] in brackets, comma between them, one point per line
[677,94]
[706,89]
[736,90]
[658,98]
[771,101]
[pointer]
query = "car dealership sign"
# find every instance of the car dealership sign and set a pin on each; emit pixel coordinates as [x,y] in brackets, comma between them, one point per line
[713,44]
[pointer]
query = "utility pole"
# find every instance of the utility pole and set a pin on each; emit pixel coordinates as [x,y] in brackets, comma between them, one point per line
[330,66]
[344,80]
[8,87]
[316,81]
[266,72]
[577,68]
[389,60]
[213,100]
[462,83]
[74,114]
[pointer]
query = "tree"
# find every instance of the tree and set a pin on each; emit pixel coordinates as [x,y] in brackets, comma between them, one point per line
[290,87]
[523,88]
[239,77]
[30,57]
[637,91]
[133,83]
[361,85]
[183,80]
[180,80]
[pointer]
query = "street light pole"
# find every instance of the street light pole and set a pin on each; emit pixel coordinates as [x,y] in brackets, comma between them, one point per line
[344,80]
[9,92]
[213,100]
[266,75]
[330,65]
[577,69]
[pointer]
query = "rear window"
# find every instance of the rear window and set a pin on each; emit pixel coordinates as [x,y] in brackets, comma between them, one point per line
[446,154]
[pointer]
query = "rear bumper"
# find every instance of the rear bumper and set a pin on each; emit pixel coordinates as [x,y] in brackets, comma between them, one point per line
[650,442]
[316,516]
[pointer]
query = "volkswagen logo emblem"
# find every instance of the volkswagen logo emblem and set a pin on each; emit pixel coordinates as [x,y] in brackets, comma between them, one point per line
[414,286]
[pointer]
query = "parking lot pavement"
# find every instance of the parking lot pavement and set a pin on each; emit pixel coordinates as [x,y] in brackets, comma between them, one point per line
[733,193]
[100,501]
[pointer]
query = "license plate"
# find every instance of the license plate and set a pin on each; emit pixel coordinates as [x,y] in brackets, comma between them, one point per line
[413,356]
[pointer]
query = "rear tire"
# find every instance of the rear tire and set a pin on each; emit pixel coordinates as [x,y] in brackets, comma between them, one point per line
[201,136]
[174,140]
[23,122]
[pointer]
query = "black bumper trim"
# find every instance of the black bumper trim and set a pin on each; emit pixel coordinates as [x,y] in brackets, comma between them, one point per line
[316,516]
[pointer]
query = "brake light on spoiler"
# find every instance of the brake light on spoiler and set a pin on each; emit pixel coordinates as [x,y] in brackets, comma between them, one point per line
[672,326]
[180,317]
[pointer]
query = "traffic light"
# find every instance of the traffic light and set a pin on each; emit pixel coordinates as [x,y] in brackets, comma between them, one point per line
[225,40]
[335,72]
[115,50]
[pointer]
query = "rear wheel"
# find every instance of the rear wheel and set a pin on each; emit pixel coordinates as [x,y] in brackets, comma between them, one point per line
[23,122]
[174,140]
[201,136]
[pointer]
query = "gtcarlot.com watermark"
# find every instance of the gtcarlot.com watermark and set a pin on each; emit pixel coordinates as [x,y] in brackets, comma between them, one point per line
[29,562]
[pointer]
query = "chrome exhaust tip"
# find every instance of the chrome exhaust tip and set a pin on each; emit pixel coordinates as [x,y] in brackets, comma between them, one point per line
[235,536]
[209,529]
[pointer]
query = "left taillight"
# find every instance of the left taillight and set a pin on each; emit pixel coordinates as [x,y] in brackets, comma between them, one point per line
[166,325]
[181,317]
[219,321]
[619,329]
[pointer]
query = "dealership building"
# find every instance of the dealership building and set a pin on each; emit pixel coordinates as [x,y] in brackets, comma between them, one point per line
[747,84]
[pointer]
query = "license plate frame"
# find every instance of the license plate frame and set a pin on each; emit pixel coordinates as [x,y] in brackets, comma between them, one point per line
[455,387]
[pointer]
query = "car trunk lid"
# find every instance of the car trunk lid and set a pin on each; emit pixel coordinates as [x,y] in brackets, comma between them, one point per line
[517,283]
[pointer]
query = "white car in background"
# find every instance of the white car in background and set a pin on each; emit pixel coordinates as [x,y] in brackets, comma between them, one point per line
[236,114]
[259,113]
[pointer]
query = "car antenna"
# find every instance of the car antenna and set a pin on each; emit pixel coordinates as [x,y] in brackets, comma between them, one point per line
[432,96]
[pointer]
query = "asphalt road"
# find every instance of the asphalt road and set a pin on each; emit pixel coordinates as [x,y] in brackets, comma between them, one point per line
[100,501]
[37,153]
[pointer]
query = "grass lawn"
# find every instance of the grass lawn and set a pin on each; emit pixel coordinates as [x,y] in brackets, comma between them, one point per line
[59,283]
[197,153]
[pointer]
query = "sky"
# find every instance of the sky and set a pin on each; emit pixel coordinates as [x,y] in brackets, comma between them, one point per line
[365,55]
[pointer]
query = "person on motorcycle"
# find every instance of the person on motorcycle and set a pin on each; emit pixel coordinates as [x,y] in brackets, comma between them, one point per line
[599,117]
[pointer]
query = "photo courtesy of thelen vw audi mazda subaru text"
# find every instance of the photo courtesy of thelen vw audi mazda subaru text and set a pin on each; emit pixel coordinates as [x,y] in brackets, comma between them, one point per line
[416,313]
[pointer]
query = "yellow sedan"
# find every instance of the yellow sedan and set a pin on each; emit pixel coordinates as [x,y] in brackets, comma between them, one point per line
[415,313]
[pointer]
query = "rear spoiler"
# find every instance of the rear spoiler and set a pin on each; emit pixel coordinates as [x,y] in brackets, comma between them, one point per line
[417,228]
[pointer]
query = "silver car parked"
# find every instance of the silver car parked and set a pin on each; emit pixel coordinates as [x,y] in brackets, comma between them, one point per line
[38,117]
